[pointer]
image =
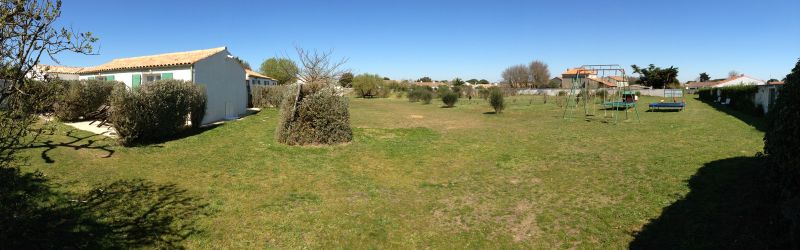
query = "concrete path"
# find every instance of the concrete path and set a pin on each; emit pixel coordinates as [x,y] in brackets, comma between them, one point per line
[104,130]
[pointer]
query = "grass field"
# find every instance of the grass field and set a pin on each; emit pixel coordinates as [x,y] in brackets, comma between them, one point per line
[420,176]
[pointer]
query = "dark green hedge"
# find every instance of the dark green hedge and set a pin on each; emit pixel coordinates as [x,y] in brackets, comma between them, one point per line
[156,111]
[782,147]
[79,98]
[742,97]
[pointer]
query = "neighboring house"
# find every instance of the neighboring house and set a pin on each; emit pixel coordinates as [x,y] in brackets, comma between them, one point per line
[619,81]
[42,71]
[576,75]
[255,78]
[738,80]
[767,94]
[215,69]
[718,83]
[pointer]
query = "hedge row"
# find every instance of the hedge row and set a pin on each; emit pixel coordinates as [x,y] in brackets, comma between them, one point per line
[76,99]
[782,147]
[156,110]
[267,96]
[742,97]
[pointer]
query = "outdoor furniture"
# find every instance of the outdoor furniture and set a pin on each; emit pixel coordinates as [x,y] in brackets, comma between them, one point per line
[99,115]
[674,105]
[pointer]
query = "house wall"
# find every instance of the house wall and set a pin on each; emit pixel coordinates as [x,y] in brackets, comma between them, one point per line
[766,96]
[126,76]
[224,80]
[260,81]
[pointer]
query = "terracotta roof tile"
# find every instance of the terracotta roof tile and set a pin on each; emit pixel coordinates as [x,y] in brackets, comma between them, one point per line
[153,61]
[58,69]
[575,71]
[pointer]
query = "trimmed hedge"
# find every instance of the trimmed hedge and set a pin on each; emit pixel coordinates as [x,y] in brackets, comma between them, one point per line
[742,97]
[782,147]
[79,98]
[307,118]
[156,111]
[267,96]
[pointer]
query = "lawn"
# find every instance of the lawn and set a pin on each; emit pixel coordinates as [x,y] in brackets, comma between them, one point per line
[419,176]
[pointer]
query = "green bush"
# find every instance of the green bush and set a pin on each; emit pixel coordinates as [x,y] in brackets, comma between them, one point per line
[781,145]
[443,89]
[450,99]
[322,117]
[79,98]
[42,96]
[483,93]
[496,100]
[156,111]
[267,96]
[369,85]
[423,94]
[706,94]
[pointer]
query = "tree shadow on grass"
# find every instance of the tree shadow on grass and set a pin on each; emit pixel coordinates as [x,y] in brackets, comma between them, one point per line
[89,142]
[728,207]
[490,113]
[181,135]
[123,214]
[757,122]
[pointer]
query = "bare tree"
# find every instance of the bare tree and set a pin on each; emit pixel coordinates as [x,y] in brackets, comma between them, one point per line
[733,73]
[29,31]
[318,69]
[516,76]
[540,74]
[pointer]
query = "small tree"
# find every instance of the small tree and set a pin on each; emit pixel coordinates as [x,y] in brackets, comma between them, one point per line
[367,85]
[733,73]
[496,100]
[284,70]
[424,79]
[539,72]
[458,82]
[483,81]
[473,81]
[346,80]
[449,99]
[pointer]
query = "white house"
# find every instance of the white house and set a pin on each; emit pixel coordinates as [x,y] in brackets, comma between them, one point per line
[255,78]
[215,69]
[767,94]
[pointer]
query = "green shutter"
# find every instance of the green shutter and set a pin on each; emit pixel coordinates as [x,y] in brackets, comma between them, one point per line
[136,81]
[110,78]
[166,76]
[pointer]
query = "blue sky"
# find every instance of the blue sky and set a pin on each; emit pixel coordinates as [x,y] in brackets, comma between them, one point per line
[447,39]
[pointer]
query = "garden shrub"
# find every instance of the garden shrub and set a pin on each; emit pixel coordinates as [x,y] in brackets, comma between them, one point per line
[706,94]
[41,96]
[496,100]
[443,89]
[742,98]
[321,117]
[483,93]
[423,94]
[156,111]
[369,85]
[79,98]
[267,96]
[450,99]
[781,145]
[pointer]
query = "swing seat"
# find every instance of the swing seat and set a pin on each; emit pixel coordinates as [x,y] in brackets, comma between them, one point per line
[667,105]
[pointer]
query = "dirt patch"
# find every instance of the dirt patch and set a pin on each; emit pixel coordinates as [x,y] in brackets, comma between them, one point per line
[416,116]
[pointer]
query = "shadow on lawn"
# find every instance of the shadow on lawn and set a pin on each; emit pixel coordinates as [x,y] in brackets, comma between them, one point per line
[759,123]
[728,207]
[123,214]
[75,142]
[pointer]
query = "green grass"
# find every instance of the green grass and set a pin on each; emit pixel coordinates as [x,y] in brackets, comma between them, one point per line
[418,176]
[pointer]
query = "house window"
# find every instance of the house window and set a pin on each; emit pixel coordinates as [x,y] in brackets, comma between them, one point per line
[146,78]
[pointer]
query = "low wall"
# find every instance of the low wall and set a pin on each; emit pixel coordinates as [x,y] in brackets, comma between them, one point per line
[554,92]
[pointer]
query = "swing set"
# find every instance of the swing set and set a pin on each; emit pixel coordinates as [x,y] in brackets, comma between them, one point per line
[593,80]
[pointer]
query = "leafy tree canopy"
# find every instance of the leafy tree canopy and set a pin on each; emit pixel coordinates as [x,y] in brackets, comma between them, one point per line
[424,79]
[656,77]
[282,69]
